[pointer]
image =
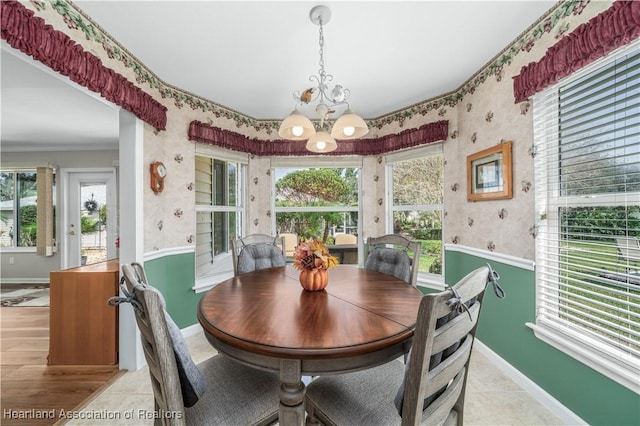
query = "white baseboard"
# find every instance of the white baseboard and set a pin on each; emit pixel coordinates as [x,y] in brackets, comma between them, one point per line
[9,281]
[191,330]
[539,394]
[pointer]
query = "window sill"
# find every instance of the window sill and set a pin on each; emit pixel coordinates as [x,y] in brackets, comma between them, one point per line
[625,374]
[431,281]
[207,283]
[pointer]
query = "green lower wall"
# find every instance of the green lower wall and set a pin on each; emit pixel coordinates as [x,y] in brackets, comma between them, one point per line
[590,395]
[174,276]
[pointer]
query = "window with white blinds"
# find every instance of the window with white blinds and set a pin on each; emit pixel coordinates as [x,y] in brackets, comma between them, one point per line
[587,140]
[219,211]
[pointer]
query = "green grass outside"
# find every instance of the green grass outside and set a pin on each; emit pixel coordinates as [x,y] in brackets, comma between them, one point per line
[583,260]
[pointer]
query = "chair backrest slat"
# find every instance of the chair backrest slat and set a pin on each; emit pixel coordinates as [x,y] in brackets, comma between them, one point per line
[442,374]
[461,325]
[442,343]
[439,409]
[158,346]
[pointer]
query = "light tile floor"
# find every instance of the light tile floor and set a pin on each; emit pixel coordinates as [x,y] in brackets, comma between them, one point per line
[492,398]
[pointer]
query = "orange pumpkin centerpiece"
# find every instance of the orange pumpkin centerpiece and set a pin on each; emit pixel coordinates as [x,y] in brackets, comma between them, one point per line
[312,259]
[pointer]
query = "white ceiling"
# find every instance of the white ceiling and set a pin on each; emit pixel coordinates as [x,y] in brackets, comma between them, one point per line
[252,56]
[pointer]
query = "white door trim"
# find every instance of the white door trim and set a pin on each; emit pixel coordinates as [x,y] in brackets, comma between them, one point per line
[66,175]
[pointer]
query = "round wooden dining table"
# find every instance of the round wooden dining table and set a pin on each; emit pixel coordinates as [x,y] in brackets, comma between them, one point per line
[267,320]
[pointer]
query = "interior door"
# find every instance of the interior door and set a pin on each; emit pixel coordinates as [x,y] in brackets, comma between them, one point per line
[91,219]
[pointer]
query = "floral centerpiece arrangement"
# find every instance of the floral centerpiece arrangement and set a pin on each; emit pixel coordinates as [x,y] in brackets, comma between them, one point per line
[312,259]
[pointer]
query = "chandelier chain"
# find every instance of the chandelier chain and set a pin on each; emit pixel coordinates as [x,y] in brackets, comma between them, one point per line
[321,51]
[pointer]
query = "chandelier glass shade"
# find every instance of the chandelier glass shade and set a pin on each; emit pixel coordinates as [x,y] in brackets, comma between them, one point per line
[296,127]
[299,127]
[349,126]
[321,142]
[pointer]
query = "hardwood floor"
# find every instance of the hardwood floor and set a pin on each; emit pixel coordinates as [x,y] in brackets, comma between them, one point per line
[33,393]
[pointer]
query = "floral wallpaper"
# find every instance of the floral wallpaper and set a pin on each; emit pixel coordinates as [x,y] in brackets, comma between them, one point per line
[481,113]
[556,21]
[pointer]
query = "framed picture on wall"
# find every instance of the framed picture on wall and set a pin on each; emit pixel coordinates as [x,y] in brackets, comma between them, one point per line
[489,173]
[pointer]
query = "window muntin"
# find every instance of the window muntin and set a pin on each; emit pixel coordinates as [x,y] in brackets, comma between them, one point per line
[219,210]
[18,208]
[587,136]
[416,188]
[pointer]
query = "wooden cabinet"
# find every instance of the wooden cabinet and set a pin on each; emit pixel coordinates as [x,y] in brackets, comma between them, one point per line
[84,328]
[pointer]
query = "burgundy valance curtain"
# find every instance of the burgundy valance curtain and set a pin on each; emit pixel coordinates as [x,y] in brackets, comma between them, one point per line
[592,40]
[202,132]
[28,33]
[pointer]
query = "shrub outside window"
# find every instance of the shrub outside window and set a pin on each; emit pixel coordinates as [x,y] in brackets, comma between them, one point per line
[416,191]
[318,203]
[18,210]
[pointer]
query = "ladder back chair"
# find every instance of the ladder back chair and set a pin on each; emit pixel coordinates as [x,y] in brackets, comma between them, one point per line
[430,388]
[395,255]
[217,391]
[257,251]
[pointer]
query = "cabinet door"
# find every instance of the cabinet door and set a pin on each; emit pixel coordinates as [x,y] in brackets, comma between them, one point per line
[83,327]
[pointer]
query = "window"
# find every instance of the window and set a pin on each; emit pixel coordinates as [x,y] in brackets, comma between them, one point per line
[416,189]
[587,135]
[18,210]
[219,212]
[319,202]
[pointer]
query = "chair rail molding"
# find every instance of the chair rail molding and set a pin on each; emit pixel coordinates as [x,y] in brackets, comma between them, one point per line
[507,259]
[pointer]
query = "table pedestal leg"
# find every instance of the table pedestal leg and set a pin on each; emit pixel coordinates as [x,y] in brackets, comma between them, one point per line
[291,393]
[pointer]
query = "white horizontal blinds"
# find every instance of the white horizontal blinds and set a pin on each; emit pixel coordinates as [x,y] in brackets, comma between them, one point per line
[204,219]
[204,181]
[600,128]
[588,198]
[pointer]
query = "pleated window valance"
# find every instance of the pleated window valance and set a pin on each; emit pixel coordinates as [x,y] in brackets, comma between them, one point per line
[592,40]
[205,133]
[28,33]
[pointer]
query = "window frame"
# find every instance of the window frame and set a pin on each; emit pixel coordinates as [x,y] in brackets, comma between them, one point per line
[426,279]
[222,264]
[15,217]
[574,341]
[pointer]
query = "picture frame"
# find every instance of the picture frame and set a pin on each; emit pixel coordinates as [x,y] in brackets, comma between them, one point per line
[489,173]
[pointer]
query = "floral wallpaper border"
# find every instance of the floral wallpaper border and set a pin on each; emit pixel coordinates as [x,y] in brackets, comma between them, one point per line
[555,18]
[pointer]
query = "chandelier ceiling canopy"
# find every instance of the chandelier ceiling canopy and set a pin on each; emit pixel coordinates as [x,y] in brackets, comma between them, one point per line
[299,127]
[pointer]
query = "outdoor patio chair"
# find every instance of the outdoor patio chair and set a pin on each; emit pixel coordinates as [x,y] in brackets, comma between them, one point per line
[290,243]
[628,251]
[345,239]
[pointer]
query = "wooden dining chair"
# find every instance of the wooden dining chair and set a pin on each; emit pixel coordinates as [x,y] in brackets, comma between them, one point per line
[257,251]
[395,255]
[217,391]
[430,388]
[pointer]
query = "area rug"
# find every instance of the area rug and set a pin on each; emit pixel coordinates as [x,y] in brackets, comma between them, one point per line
[24,295]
